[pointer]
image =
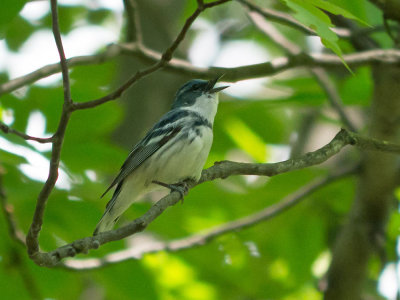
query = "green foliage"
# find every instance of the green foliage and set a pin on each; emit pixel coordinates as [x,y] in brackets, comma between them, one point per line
[313,15]
[10,9]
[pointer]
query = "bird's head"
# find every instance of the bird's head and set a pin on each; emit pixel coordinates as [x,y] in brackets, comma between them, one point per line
[197,92]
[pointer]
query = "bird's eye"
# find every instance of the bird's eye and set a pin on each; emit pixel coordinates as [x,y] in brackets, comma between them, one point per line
[196,87]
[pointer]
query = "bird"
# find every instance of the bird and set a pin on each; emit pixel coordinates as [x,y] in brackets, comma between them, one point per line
[172,153]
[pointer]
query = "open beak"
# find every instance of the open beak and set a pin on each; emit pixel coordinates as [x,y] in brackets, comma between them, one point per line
[210,87]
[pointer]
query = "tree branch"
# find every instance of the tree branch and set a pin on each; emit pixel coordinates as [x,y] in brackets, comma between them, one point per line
[207,236]
[111,52]
[60,48]
[32,242]
[388,56]
[222,169]
[6,129]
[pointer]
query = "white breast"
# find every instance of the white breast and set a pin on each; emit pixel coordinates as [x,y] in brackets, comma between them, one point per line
[187,159]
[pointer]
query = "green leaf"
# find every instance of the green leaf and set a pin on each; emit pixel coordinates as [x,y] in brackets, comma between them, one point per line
[357,90]
[336,10]
[246,139]
[10,158]
[310,14]
[10,8]
[18,32]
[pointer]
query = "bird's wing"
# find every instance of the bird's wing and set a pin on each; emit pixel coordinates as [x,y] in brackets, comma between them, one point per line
[143,150]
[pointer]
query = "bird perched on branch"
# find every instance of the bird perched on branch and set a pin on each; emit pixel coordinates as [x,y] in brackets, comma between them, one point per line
[172,152]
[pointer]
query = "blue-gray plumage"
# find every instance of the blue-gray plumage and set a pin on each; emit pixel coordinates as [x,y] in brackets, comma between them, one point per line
[174,150]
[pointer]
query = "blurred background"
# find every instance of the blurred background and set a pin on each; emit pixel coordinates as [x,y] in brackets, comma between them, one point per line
[259,120]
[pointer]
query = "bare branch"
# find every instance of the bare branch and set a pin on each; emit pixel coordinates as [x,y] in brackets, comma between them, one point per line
[388,56]
[222,169]
[58,138]
[6,129]
[333,96]
[60,48]
[8,211]
[207,236]
[111,52]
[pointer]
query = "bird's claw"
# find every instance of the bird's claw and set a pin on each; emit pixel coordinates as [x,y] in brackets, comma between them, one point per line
[181,187]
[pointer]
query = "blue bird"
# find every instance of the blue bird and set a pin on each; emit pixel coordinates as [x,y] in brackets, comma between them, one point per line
[173,151]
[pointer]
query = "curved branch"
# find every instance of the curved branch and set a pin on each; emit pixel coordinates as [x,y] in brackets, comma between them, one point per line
[32,237]
[43,72]
[6,129]
[222,169]
[231,74]
[207,236]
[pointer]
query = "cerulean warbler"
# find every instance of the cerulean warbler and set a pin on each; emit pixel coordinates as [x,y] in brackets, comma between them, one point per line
[173,151]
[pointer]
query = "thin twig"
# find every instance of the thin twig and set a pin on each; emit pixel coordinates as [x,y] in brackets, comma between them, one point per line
[207,236]
[60,48]
[219,170]
[6,129]
[111,52]
[333,97]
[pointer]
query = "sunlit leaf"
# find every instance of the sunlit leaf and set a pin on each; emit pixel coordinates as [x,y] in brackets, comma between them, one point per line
[246,139]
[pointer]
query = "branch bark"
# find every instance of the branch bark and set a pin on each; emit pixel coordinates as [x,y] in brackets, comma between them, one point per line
[207,236]
[6,129]
[32,237]
[275,66]
[223,170]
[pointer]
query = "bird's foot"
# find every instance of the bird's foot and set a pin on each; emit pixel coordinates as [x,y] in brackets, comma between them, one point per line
[181,187]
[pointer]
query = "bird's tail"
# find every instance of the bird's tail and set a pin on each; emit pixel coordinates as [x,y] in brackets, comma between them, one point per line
[110,216]
[106,223]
